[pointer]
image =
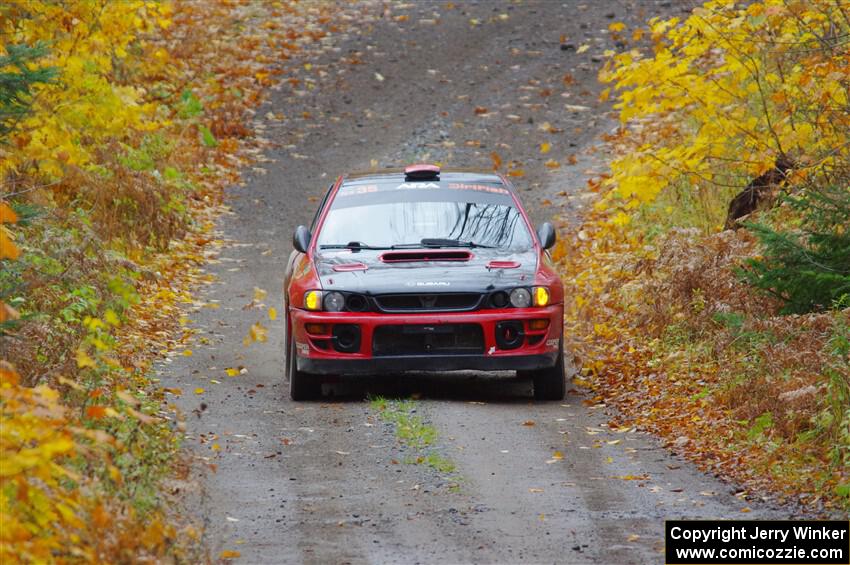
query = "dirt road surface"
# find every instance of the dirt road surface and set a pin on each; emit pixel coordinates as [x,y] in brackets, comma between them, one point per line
[328,482]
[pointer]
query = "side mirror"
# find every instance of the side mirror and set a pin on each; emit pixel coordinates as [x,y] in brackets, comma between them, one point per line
[301,239]
[546,235]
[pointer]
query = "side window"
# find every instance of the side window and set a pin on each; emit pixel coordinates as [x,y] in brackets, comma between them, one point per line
[321,207]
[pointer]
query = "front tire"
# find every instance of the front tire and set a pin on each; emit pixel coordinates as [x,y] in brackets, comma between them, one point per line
[302,386]
[550,383]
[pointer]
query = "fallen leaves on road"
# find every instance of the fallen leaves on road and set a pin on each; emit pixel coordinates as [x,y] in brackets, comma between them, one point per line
[497,160]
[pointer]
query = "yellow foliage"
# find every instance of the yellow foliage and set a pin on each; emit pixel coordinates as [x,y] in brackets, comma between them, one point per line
[87,105]
[47,509]
[728,91]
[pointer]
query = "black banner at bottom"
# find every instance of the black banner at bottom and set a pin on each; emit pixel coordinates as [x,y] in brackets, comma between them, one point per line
[761,542]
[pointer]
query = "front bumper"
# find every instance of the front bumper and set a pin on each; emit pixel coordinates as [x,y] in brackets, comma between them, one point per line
[407,363]
[539,348]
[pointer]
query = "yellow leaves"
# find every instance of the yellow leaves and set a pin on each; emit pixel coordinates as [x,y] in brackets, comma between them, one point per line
[616,27]
[259,294]
[545,147]
[33,438]
[84,361]
[8,374]
[199,390]
[7,215]
[755,9]
[92,324]
[231,372]
[7,313]
[8,249]
[552,164]
[72,116]
[548,128]
[721,91]
[257,333]
[583,48]
[272,314]
[187,353]
[620,219]
[632,477]
[229,554]
[497,160]
[100,517]
[111,318]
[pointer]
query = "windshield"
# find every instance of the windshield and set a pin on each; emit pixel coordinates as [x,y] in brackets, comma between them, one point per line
[399,218]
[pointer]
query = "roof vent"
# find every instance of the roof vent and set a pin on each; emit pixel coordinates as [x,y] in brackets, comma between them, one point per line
[421,172]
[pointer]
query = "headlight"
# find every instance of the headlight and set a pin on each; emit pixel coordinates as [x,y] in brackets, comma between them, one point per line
[313,300]
[334,302]
[541,296]
[520,298]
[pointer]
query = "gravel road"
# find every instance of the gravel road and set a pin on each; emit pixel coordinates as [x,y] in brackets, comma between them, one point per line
[328,482]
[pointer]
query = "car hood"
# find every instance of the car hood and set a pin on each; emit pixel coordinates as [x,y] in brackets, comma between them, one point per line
[366,272]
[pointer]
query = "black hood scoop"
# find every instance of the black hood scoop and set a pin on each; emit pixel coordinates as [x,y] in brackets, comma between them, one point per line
[420,255]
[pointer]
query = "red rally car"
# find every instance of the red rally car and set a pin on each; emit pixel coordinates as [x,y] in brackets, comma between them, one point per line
[422,270]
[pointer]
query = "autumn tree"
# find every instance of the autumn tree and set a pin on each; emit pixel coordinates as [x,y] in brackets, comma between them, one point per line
[727,92]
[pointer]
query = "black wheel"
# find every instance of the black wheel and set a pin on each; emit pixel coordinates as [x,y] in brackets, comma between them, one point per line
[550,383]
[302,386]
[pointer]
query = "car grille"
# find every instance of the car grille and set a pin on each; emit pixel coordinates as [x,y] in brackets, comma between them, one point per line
[438,339]
[444,301]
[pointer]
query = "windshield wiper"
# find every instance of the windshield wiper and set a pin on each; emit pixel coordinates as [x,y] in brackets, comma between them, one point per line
[354,246]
